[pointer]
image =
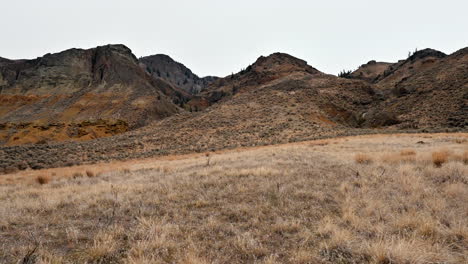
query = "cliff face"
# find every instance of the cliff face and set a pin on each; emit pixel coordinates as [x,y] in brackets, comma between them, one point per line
[165,68]
[103,84]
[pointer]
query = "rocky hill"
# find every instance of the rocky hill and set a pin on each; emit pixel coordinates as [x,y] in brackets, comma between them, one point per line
[262,71]
[417,62]
[427,90]
[164,67]
[80,94]
[371,71]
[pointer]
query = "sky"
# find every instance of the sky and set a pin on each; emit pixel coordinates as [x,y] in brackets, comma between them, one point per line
[218,37]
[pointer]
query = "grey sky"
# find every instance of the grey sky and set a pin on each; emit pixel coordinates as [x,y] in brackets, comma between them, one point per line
[217,37]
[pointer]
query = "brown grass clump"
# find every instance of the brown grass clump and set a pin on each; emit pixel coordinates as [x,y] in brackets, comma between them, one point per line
[362,158]
[77,175]
[43,179]
[90,174]
[407,152]
[439,158]
[460,140]
[463,157]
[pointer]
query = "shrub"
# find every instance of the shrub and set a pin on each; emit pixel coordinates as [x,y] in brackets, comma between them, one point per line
[361,158]
[439,158]
[43,179]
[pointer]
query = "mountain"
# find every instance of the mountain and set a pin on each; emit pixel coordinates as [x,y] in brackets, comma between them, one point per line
[164,67]
[427,90]
[80,94]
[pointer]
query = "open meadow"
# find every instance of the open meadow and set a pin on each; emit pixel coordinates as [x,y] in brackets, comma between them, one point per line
[399,198]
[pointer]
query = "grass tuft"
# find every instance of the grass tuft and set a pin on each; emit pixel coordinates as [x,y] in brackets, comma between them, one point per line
[439,158]
[362,158]
[43,179]
[407,152]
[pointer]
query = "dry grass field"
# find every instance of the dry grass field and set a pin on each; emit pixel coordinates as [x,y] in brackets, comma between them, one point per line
[365,199]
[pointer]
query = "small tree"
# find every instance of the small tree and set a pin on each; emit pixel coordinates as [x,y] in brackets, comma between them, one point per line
[345,74]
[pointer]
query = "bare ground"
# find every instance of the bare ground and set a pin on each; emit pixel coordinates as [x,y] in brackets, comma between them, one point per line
[364,199]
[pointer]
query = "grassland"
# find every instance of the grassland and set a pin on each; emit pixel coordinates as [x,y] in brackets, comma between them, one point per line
[365,199]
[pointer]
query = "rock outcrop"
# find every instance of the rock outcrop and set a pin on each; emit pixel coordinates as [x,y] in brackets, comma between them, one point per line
[76,85]
[163,67]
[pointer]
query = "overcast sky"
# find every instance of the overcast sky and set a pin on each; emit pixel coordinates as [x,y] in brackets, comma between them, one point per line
[217,37]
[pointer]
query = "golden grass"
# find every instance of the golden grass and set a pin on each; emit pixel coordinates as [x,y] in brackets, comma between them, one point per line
[300,203]
[408,152]
[362,158]
[440,157]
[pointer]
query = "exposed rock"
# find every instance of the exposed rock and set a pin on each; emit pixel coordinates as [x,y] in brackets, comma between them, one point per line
[103,83]
[164,67]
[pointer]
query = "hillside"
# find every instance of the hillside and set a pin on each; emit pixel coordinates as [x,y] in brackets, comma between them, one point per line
[262,71]
[427,90]
[164,67]
[371,71]
[417,62]
[80,94]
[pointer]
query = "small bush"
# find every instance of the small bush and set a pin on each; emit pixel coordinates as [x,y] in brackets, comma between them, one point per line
[439,158]
[361,158]
[90,174]
[42,179]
